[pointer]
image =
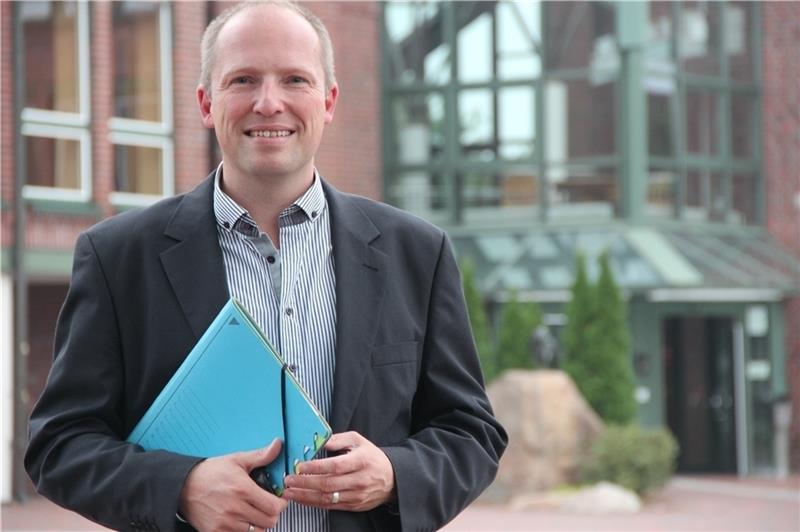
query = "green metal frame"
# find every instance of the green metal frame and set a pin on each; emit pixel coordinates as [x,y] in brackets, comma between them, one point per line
[41,263]
[631,159]
[90,209]
[722,86]
[452,161]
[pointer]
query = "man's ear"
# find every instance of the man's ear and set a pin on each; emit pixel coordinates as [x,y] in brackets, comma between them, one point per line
[204,102]
[330,103]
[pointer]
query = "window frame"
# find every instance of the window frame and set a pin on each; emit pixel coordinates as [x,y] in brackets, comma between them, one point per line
[84,138]
[454,160]
[165,144]
[150,134]
[633,178]
[47,123]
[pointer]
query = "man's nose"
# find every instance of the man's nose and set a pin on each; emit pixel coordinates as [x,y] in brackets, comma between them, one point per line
[268,99]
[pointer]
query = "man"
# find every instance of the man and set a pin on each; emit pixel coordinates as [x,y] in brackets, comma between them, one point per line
[363,300]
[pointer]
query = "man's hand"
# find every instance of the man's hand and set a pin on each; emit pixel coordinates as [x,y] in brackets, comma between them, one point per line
[362,476]
[219,494]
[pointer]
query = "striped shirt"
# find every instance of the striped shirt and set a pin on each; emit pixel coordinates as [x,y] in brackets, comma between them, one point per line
[291,294]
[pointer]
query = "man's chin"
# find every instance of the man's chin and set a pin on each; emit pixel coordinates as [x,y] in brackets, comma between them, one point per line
[273,170]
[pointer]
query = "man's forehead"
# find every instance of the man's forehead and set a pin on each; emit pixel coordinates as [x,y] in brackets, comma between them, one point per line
[268,16]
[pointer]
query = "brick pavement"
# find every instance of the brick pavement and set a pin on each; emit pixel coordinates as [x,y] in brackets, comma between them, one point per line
[686,504]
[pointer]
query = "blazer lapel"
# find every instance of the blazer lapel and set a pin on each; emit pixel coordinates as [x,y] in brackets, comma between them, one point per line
[360,275]
[194,265]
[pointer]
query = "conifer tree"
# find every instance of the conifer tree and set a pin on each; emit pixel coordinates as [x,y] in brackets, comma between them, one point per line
[517,323]
[616,388]
[478,320]
[596,344]
[575,339]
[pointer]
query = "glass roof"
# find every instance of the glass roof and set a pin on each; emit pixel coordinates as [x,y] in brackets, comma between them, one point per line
[642,259]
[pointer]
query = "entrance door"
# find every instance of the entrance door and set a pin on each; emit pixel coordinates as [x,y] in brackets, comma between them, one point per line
[699,370]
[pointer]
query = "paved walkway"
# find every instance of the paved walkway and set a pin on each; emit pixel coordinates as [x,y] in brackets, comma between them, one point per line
[686,504]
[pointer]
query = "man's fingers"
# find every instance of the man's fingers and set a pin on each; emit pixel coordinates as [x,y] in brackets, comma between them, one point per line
[361,478]
[343,441]
[261,519]
[219,495]
[259,457]
[325,483]
[336,465]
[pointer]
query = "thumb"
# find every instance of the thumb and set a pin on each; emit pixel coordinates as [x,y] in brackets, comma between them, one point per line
[260,457]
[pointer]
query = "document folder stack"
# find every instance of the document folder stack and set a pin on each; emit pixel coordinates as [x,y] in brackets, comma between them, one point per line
[233,393]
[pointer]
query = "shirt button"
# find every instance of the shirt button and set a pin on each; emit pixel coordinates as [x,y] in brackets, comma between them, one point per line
[293,368]
[271,259]
[313,214]
[289,311]
[227,225]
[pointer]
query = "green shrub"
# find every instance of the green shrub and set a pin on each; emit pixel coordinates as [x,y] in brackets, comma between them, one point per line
[517,323]
[633,457]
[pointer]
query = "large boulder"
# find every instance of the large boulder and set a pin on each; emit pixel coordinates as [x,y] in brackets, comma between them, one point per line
[550,429]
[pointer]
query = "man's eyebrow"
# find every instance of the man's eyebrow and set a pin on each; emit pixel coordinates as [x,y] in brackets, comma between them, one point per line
[237,71]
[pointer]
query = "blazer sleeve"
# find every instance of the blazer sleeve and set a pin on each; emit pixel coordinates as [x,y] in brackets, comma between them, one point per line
[456,442]
[76,454]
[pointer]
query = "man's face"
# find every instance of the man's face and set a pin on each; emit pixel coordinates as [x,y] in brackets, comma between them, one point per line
[267,102]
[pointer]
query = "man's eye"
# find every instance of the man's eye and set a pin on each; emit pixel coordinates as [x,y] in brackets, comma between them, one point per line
[240,80]
[297,79]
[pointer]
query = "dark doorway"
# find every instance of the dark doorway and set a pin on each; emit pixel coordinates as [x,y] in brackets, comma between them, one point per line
[44,303]
[698,366]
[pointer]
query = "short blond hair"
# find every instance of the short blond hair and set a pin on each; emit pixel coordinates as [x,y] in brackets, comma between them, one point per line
[208,46]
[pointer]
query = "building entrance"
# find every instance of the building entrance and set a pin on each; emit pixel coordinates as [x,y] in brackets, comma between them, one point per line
[701,405]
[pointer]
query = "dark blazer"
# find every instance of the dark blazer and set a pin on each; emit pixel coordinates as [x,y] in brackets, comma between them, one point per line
[147,283]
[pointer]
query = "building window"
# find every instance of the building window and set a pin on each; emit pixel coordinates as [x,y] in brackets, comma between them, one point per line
[501,109]
[702,111]
[55,118]
[486,98]
[141,129]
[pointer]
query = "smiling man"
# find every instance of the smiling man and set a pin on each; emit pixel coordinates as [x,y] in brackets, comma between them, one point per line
[362,300]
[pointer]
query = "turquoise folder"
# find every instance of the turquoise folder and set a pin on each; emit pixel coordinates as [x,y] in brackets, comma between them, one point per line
[234,393]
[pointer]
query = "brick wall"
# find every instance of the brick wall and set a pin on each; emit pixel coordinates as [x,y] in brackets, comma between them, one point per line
[781,122]
[192,164]
[102,53]
[6,123]
[350,156]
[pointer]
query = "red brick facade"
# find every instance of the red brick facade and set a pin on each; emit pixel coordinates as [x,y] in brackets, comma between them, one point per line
[7,129]
[192,146]
[350,156]
[781,122]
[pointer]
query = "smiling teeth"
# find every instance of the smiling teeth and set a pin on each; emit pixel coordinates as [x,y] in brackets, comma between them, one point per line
[270,134]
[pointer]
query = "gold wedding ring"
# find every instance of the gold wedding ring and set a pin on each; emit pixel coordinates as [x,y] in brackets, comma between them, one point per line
[251,528]
[335,497]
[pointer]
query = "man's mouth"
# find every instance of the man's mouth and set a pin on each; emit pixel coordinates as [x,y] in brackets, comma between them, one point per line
[268,133]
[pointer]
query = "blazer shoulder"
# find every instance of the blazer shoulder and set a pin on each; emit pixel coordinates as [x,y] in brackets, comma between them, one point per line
[142,224]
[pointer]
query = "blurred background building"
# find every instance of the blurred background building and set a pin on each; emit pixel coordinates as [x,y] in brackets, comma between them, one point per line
[666,133]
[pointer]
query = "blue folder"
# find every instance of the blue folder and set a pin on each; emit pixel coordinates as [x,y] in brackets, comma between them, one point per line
[234,393]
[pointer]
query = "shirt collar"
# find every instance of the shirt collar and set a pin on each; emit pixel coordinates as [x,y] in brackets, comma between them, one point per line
[232,216]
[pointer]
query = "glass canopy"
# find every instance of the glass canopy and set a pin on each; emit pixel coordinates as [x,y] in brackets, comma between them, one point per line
[643,259]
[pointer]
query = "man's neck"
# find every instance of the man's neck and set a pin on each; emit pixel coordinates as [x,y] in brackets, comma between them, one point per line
[266,197]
